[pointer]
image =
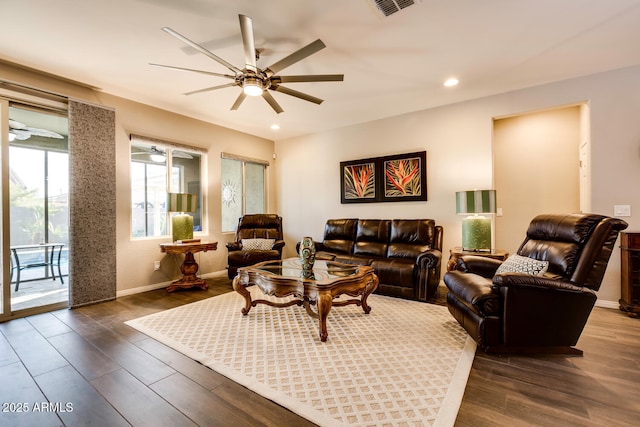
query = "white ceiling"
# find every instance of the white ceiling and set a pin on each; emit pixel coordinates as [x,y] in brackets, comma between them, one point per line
[391,65]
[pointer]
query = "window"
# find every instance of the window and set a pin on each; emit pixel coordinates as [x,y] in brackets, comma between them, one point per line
[156,169]
[39,177]
[243,189]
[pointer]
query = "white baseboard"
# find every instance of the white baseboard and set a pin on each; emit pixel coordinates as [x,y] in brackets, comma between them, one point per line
[138,290]
[607,304]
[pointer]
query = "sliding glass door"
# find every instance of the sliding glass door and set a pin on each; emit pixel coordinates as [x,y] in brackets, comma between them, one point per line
[38,189]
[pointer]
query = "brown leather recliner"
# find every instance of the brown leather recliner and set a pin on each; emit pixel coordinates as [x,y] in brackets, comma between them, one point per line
[250,228]
[515,312]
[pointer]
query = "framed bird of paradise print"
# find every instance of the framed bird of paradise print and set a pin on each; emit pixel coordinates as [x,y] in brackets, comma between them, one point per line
[396,178]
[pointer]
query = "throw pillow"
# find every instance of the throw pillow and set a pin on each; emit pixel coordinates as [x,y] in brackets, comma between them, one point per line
[257,244]
[523,264]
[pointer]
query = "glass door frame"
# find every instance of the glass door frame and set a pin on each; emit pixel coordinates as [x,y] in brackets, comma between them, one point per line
[6,312]
[5,226]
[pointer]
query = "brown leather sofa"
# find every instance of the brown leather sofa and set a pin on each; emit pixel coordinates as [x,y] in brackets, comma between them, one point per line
[250,228]
[405,254]
[515,312]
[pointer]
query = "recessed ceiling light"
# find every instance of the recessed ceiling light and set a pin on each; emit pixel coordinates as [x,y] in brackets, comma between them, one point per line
[451,82]
[275,126]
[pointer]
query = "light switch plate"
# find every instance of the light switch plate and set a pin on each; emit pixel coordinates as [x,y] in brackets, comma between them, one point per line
[621,210]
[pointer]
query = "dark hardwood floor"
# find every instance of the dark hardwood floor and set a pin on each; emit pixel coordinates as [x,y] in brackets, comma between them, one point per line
[85,367]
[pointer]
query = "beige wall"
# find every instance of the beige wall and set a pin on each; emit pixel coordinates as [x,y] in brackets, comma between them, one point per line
[458,141]
[135,257]
[536,170]
[304,180]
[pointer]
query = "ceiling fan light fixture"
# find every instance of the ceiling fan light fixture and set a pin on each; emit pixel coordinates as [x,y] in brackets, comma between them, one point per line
[451,82]
[158,158]
[252,86]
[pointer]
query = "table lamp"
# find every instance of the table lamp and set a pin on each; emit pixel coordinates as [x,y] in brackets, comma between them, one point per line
[182,223]
[476,229]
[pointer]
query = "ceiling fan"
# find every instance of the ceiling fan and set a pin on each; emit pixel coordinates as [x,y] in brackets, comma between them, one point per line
[21,132]
[258,81]
[158,155]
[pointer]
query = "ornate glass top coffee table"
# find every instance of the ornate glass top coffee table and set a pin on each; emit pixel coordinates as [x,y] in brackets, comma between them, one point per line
[319,286]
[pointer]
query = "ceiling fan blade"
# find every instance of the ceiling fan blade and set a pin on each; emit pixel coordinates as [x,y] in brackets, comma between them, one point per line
[201,49]
[297,94]
[171,67]
[296,56]
[276,107]
[308,78]
[239,100]
[248,43]
[207,89]
[15,124]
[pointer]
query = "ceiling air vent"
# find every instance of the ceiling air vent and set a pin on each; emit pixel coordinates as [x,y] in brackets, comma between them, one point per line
[389,7]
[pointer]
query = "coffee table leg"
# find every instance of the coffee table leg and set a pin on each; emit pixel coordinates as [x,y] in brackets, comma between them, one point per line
[372,286]
[239,288]
[324,307]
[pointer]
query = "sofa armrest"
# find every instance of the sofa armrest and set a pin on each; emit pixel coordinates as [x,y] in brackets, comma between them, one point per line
[319,246]
[429,259]
[427,274]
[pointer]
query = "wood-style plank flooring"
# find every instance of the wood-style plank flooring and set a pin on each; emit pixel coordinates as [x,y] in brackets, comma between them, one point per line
[85,367]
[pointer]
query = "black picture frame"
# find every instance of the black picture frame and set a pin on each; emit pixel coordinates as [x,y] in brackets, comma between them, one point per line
[358,181]
[396,178]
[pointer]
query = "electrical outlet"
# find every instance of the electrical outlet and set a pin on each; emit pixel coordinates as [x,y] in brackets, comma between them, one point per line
[156,265]
[621,210]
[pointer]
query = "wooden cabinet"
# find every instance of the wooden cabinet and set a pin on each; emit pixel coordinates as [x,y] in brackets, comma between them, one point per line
[630,273]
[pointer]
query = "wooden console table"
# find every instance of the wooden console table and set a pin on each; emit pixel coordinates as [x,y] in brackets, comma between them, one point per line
[189,266]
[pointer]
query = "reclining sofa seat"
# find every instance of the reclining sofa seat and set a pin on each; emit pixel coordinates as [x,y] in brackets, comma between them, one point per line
[405,254]
[522,313]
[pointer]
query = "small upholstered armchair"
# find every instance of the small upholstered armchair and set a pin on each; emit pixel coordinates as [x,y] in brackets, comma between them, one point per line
[539,299]
[258,238]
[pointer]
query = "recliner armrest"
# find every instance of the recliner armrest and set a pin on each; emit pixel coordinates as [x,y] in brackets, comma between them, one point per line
[482,266]
[278,245]
[234,246]
[528,280]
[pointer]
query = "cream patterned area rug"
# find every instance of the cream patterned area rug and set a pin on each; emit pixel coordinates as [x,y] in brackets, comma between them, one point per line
[404,364]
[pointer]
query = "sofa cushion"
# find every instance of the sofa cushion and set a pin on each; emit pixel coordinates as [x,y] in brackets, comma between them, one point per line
[397,271]
[258,233]
[522,264]
[339,235]
[259,226]
[372,236]
[408,238]
[353,259]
